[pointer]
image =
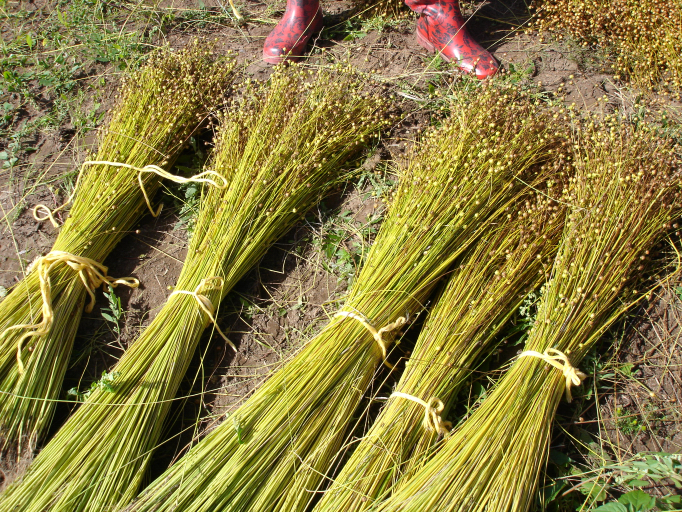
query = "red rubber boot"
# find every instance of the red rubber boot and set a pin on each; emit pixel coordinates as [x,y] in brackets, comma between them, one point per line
[289,38]
[441,28]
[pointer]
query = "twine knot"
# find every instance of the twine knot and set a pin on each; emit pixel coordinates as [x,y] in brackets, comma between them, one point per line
[376,334]
[560,361]
[208,284]
[92,274]
[433,422]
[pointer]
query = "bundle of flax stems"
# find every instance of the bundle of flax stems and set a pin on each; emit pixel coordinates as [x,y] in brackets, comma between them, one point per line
[280,146]
[158,109]
[485,289]
[623,198]
[464,174]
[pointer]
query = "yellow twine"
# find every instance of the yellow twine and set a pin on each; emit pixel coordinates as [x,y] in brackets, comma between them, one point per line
[560,361]
[432,409]
[205,303]
[377,334]
[236,13]
[198,178]
[92,274]
[49,214]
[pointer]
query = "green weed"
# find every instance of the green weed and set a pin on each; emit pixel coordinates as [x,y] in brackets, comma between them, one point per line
[613,487]
[344,245]
[248,308]
[114,312]
[628,423]
[185,197]
[106,383]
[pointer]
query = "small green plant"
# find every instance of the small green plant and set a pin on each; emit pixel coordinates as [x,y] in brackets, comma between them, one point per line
[524,319]
[348,30]
[186,200]
[114,312]
[640,501]
[627,423]
[527,313]
[380,182]
[357,28]
[613,485]
[249,309]
[8,161]
[344,245]
[633,501]
[106,384]
[188,207]
[520,72]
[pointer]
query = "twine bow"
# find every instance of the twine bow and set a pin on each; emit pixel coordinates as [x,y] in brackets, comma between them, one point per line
[210,283]
[560,361]
[377,334]
[92,274]
[197,178]
[432,409]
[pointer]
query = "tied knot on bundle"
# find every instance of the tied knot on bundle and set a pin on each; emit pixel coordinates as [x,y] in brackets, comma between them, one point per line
[433,422]
[560,361]
[206,285]
[155,169]
[92,274]
[377,334]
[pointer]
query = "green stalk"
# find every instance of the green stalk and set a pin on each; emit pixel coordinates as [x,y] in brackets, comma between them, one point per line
[281,146]
[485,289]
[159,108]
[291,428]
[625,193]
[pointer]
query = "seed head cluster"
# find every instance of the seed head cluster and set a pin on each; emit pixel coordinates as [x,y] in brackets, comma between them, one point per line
[157,110]
[448,197]
[644,36]
[622,195]
[484,289]
[280,146]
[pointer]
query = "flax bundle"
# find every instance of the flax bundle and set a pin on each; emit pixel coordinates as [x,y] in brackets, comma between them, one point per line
[463,175]
[484,290]
[625,193]
[643,36]
[279,147]
[158,109]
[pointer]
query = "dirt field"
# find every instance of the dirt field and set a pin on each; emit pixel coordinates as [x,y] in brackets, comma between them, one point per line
[57,85]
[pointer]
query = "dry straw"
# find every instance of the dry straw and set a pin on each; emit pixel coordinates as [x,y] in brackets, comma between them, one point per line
[158,109]
[280,146]
[464,174]
[624,196]
[488,285]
